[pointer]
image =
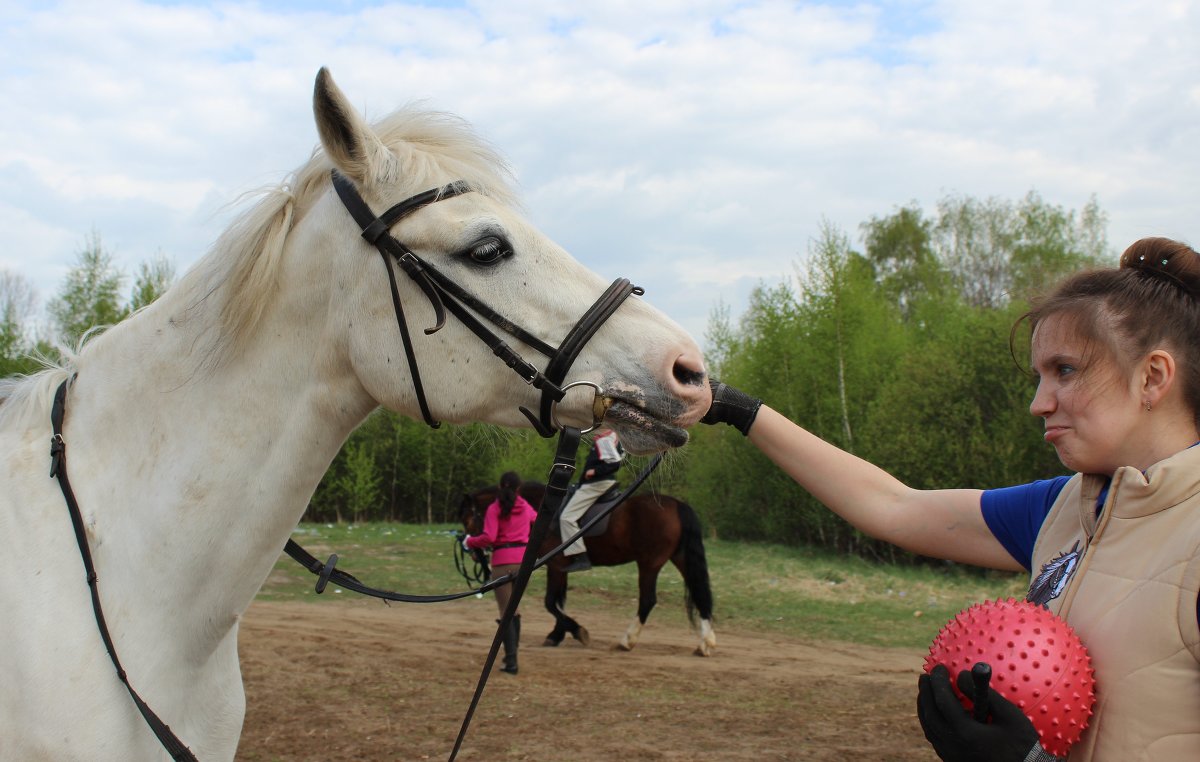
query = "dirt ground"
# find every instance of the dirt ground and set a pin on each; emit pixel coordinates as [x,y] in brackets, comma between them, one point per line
[357,680]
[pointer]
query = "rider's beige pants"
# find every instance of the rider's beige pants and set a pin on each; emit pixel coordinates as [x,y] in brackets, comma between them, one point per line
[584,496]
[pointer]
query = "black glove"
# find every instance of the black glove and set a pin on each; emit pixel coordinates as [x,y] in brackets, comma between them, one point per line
[732,406]
[956,736]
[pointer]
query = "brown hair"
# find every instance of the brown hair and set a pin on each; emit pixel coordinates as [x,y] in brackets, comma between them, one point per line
[510,482]
[1150,300]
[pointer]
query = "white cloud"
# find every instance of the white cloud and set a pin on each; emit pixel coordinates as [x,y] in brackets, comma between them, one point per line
[694,147]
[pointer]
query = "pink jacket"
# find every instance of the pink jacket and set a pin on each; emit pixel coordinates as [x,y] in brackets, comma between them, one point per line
[512,531]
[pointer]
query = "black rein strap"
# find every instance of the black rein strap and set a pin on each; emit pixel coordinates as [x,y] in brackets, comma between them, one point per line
[58,468]
[327,571]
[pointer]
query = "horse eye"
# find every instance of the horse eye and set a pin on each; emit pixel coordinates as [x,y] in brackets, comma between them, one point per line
[489,251]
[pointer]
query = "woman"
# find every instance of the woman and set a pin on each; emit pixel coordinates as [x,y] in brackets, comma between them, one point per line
[506,524]
[1114,549]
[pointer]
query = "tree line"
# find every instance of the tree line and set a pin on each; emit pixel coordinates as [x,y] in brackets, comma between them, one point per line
[901,350]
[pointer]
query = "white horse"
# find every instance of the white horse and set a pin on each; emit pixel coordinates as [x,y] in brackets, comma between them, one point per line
[197,430]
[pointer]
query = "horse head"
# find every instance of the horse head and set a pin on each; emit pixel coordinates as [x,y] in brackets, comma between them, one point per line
[650,370]
[470,511]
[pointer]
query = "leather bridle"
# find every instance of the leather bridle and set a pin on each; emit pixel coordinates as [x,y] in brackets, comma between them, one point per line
[444,294]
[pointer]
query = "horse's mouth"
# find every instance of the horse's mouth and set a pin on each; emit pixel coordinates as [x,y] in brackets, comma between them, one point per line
[641,432]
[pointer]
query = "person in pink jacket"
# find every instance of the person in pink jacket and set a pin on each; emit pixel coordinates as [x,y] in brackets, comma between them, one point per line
[506,524]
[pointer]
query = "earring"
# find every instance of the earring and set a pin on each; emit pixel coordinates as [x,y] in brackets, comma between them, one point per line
[1147,406]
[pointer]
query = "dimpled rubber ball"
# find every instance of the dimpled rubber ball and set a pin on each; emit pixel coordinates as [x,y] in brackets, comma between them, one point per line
[1037,661]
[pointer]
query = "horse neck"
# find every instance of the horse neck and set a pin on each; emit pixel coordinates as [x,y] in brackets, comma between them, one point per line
[208,467]
[534,492]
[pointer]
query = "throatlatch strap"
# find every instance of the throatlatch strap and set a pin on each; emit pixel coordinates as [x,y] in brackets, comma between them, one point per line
[58,468]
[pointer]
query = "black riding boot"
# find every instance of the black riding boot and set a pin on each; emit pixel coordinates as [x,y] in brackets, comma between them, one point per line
[512,638]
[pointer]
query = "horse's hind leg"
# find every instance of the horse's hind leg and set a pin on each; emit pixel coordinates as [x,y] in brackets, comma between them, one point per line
[699,602]
[647,599]
[708,638]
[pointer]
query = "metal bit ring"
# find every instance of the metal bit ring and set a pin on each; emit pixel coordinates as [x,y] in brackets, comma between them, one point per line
[600,405]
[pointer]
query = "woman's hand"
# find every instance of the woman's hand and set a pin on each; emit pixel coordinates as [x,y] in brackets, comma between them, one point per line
[731,406]
[956,736]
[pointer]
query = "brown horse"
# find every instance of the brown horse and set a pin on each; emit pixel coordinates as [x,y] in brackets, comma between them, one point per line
[649,529]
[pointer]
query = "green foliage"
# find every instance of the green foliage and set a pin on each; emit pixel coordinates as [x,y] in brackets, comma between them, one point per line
[900,247]
[417,474]
[152,281]
[998,250]
[17,302]
[90,296]
[358,483]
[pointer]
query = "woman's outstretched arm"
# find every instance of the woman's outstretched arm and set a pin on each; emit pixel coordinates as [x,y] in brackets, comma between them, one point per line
[944,523]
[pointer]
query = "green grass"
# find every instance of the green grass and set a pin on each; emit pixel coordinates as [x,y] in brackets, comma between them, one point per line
[799,592]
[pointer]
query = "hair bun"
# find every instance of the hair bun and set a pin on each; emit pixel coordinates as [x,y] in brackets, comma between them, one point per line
[1165,259]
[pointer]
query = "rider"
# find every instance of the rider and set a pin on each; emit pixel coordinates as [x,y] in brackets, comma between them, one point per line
[599,475]
[506,524]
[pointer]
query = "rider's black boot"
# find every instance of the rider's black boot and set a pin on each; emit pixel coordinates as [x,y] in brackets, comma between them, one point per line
[512,639]
[577,563]
[511,642]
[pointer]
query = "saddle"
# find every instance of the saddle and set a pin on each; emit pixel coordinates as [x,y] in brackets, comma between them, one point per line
[601,504]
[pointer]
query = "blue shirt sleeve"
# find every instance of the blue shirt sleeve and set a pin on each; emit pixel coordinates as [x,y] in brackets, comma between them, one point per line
[1015,514]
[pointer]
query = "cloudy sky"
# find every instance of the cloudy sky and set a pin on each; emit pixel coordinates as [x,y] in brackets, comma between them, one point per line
[694,146]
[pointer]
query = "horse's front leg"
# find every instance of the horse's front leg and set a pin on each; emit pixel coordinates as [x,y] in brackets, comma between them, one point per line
[647,599]
[555,602]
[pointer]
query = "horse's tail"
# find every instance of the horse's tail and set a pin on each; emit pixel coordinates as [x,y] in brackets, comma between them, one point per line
[698,596]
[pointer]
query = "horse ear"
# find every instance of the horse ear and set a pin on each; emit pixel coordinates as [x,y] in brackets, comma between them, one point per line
[350,143]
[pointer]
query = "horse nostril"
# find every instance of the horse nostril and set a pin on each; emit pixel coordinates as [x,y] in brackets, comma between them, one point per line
[689,377]
[687,374]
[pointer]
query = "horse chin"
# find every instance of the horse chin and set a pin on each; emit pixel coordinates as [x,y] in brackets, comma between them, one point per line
[642,433]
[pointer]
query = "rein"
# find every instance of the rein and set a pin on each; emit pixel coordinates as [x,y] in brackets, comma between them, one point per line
[58,468]
[480,571]
[328,572]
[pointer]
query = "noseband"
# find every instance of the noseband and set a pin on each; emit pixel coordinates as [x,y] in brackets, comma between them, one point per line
[444,294]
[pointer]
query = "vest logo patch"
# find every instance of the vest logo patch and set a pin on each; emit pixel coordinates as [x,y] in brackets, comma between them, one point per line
[1053,578]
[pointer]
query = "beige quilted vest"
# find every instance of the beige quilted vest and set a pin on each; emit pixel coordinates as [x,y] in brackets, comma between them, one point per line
[1130,593]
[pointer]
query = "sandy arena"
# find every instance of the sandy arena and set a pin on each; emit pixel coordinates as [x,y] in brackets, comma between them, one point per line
[359,681]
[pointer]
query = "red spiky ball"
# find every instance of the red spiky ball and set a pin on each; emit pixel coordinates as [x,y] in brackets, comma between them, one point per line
[1037,660]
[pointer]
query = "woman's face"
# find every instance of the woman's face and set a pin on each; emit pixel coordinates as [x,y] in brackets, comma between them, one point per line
[1093,417]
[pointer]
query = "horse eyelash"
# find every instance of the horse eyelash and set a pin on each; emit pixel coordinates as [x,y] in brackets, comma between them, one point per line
[497,243]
